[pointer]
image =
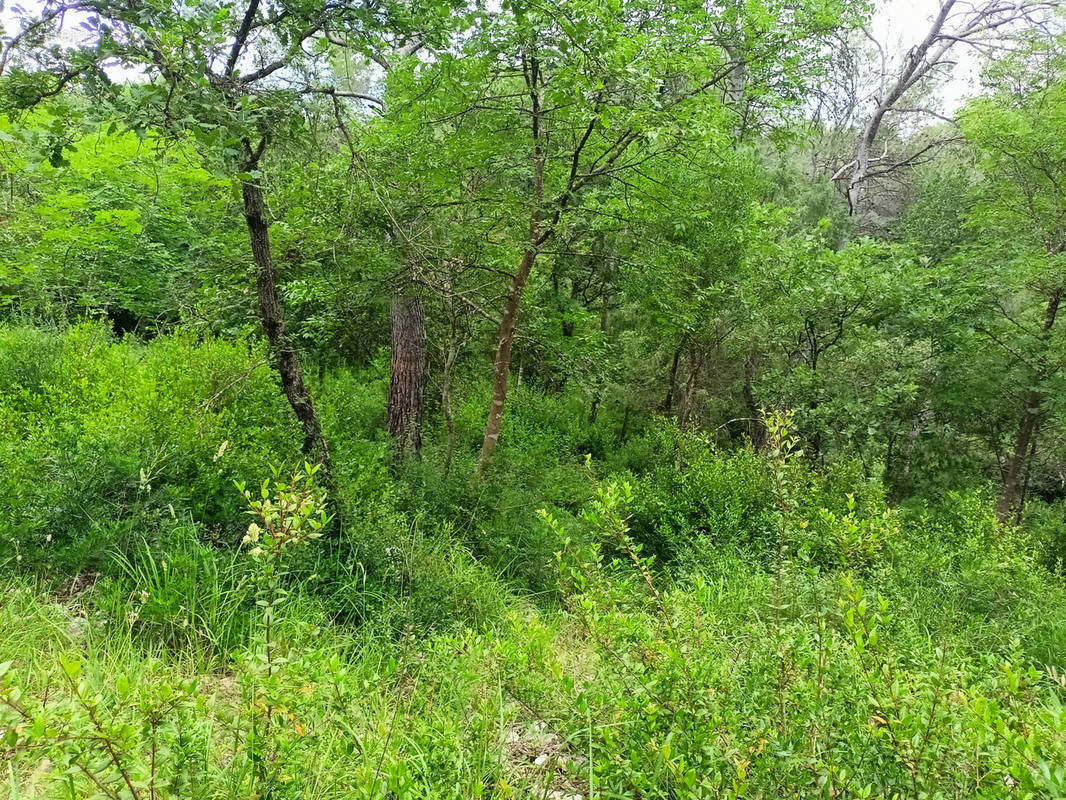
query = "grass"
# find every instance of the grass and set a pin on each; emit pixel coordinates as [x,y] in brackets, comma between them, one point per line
[446,642]
[712,695]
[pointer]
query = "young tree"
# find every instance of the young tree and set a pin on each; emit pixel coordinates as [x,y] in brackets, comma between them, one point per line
[574,101]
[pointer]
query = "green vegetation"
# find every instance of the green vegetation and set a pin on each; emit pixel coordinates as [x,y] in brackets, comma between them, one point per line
[588,400]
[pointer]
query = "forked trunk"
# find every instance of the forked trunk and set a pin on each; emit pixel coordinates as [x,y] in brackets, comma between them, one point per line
[407,375]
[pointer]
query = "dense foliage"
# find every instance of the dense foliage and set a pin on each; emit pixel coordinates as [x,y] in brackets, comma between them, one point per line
[440,400]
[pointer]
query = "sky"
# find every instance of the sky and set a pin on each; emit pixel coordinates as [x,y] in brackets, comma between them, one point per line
[900,24]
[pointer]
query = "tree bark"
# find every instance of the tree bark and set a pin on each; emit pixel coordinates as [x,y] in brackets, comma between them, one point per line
[603,330]
[270,314]
[687,404]
[1018,464]
[501,364]
[916,66]
[407,375]
[449,418]
[756,425]
[671,381]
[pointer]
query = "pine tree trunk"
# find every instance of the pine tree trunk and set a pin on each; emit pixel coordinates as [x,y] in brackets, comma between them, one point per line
[1018,464]
[407,374]
[270,314]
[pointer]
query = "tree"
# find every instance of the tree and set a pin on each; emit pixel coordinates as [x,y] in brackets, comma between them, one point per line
[1021,214]
[955,23]
[407,374]
[233,76]
[590,95]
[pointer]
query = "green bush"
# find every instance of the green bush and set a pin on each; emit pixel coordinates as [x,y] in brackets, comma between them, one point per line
[717,499]
[122,435]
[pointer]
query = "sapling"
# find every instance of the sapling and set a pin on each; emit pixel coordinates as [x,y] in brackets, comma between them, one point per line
[288,514]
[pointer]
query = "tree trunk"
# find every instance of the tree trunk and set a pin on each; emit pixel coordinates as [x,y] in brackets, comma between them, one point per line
[407,374]
[603,330]
[756,425]
[1018,463]
[448,362]
[1010,494]
[501,364]
[916,65]
[688,397]
[270,314]
[671,381]
[624,433]
[449,420]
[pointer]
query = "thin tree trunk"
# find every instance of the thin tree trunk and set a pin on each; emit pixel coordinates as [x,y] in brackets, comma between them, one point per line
[688,397]
[407,374]
[603,330]
[1018,463]
[501,364]
[756,426]
[449,415]
[1025,483]
[916,65]
[270,314]
[671,381]
[1009,496]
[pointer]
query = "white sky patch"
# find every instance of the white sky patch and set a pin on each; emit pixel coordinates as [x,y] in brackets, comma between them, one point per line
[900,24]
